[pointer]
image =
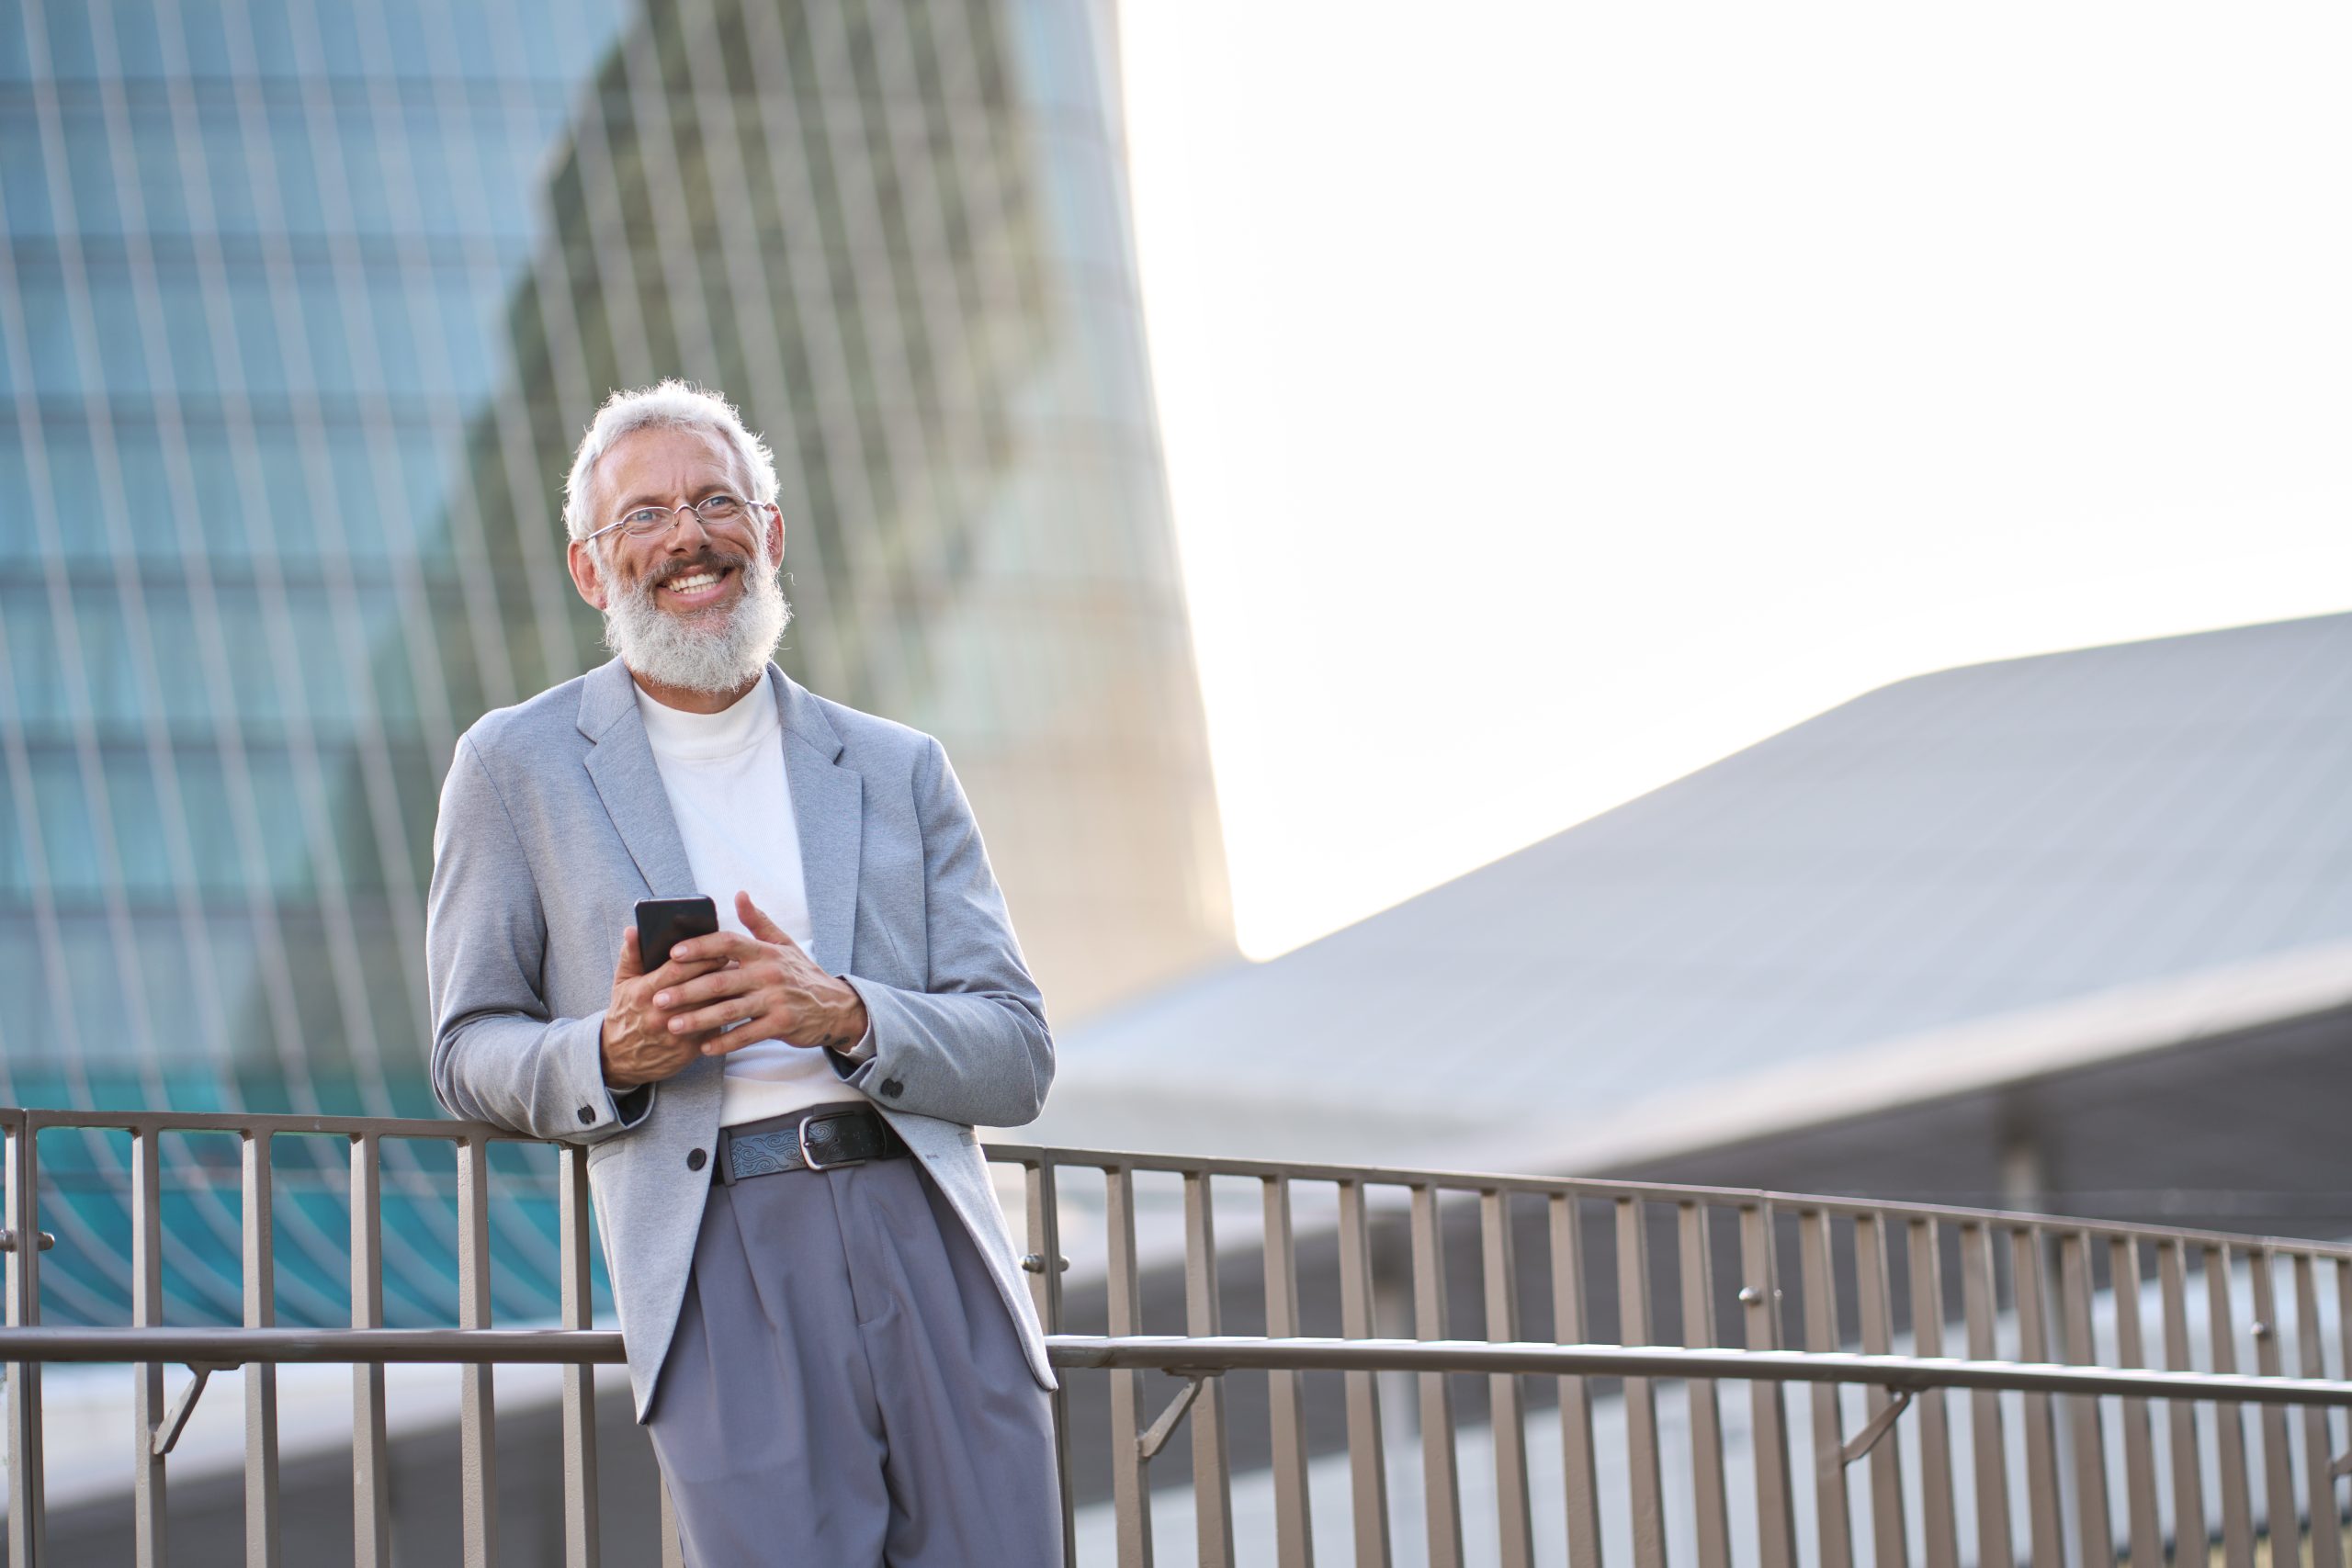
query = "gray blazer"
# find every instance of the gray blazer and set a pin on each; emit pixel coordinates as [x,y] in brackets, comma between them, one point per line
[554,823]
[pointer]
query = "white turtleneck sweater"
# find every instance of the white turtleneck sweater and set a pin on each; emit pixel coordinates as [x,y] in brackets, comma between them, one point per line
[724,774]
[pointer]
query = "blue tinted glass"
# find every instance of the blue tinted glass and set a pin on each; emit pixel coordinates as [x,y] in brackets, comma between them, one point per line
[89,164]
[70,55]
[130,30]
[361,193]
[23,180]
[337,44]
[294,165]
[57,364]
[68,834]
[195,34]
[16,62]
[256,369]
[397,32]
[157,167]
[324,366]
[267,40]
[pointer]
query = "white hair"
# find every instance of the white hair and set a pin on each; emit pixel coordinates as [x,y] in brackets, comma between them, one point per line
[670,405]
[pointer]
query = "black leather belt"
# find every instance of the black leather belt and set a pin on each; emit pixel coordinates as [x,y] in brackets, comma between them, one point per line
[817,1139]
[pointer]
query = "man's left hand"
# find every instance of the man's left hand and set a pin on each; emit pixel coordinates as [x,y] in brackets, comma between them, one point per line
[770,987]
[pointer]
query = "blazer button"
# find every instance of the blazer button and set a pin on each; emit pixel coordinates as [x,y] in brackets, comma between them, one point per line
[695,1160]
[587,1115]
[892,1087]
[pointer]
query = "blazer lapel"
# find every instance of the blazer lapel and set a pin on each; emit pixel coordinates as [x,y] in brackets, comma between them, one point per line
[621,764]
[829,807]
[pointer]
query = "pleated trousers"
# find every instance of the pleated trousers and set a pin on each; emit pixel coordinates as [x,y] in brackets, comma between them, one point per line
[845,1388]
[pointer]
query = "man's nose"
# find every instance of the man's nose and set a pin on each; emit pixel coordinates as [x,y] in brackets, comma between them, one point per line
[687,533]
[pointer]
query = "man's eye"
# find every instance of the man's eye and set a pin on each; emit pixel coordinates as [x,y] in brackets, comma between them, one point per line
[719,508]
[644,517]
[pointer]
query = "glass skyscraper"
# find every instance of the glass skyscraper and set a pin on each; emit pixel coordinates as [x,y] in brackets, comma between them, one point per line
[304,304]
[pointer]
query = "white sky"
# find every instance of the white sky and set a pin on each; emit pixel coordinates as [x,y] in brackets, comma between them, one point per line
[1558,397]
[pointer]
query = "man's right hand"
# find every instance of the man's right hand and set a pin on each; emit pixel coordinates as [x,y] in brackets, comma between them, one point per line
[640,1046]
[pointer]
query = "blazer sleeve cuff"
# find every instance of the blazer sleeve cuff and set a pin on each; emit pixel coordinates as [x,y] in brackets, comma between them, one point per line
[601,1110]
[853,1061]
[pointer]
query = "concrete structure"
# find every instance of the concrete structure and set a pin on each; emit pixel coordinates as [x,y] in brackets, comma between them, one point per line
[2072,930]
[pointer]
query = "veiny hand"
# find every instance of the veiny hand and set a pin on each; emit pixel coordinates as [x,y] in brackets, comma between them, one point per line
[769,987]
[640,1046]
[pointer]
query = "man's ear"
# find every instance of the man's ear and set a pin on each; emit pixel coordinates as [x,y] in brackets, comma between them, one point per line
[775,531]
[584,574]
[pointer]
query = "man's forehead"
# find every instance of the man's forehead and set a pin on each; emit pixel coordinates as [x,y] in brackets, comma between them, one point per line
[669,445]
[665,457]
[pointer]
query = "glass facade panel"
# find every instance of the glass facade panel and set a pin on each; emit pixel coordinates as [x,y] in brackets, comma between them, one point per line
[303,304]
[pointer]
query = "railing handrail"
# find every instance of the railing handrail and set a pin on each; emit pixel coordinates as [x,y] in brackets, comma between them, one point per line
[1037,1157]
[1200,1356]
[1030,1156]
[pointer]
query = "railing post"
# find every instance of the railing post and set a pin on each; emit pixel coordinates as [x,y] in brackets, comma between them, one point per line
[1833,1528]
[1514,1520]
[1293,1521]
[1042,1196]
[1698,1274]
[1759,1295]
[260,1277]
[1580,1483]
[2094,1521]
[2229,1420]
[1212,1473]
[371,1504]
[2328,1544]
[1130,1487]
[477,1413]
[2188,1522]
[2041,1479]
[1367,1461]
[1980,1307]
[1873,1288]
[1939,1524]
[147,1514]
[2280,1507]
[1441,1476]
[27,1500]
[1640,1394]
[2139,1444]
[577,1305]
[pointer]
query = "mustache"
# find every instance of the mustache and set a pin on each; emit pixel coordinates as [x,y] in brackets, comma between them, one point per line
[708,560]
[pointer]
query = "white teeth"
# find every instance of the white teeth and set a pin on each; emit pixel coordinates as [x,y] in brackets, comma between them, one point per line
[688,584]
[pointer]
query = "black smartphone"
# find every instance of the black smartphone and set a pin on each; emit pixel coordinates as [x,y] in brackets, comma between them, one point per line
[663,924]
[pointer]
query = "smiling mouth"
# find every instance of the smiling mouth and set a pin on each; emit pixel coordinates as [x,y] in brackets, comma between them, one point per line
[700,586]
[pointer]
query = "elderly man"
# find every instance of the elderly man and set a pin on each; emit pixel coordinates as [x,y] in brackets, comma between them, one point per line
[828,1334]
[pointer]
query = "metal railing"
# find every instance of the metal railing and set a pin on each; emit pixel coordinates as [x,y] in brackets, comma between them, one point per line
[2129,1440]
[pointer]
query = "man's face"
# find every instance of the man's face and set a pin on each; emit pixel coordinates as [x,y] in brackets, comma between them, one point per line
[695,605]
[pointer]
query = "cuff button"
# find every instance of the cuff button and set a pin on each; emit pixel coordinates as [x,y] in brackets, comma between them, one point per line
[587,1115]
[892,1087]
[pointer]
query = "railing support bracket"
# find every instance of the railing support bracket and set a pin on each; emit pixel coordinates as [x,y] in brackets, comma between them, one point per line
[1149,1446]
[1878,1428]
[175,1421]
[2341,1467]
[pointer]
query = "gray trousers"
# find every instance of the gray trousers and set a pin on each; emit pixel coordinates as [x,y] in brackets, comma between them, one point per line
[845,1389]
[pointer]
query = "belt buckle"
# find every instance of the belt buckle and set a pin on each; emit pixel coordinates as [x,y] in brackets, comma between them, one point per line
[808,1161]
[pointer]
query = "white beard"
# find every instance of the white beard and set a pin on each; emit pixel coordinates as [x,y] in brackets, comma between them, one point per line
[694,651]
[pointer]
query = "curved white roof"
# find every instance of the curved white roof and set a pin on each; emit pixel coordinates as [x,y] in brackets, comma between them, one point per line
[1947,856]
